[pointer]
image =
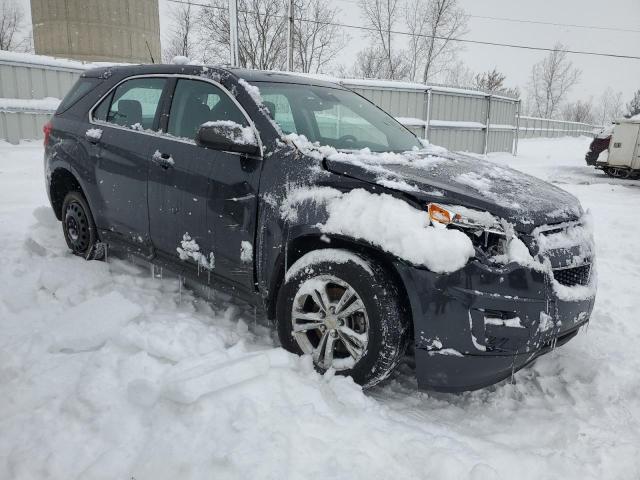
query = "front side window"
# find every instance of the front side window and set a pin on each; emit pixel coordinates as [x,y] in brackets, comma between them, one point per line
[196,102]
[335,117]
[133,104]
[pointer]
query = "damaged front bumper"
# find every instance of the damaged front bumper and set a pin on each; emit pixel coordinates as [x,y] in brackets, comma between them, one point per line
[478,325]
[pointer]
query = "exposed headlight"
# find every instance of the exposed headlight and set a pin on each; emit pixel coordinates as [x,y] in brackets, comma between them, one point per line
[485,230]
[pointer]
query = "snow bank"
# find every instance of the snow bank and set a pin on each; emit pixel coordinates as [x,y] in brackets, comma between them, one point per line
[88,325]
[78,415]
[187,383]
[387,222]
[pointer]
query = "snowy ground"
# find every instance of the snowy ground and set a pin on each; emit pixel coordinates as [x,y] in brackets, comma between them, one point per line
[101,370]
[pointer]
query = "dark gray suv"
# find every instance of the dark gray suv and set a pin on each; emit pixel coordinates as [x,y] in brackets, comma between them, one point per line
[304,199]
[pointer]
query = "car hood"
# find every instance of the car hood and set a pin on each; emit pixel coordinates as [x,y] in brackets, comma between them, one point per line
[454,179]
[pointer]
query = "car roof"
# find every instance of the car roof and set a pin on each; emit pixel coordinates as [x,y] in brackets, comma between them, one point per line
[249,75]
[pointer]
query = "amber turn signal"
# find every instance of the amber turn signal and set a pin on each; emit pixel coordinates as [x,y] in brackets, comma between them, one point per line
[441,215]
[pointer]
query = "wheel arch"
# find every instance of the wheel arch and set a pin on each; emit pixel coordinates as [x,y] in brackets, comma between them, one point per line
[61,183]
[304,244]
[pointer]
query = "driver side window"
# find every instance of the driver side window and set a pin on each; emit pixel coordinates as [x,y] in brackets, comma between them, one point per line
[196,102]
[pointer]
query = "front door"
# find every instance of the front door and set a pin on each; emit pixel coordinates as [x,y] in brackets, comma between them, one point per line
[192,188]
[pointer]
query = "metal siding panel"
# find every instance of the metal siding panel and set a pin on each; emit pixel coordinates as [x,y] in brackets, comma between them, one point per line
[13,83]
[13,128]
[38,84]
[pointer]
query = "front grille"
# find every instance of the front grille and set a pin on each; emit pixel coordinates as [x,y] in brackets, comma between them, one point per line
[573,276]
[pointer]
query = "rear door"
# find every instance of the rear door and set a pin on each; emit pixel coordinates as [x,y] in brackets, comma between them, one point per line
[126,122]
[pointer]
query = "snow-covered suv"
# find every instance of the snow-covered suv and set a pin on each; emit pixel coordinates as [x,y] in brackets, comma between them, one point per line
[306,200]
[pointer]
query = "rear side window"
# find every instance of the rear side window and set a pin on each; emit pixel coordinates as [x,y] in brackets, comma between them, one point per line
[196,102]
[79,90]
[133,104]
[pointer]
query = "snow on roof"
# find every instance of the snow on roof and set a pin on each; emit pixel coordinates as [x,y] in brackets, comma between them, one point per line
[46,61]
[42,60]
[48,105]
[634,119]
[552,120]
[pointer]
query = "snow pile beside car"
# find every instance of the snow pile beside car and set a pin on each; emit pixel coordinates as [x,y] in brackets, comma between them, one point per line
[123,400]
[388,222]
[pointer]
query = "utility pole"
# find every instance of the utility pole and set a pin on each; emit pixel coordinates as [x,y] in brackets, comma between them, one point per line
[290,39]
[233,33]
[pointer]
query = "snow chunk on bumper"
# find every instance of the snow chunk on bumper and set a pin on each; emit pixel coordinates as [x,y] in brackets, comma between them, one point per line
[389,223]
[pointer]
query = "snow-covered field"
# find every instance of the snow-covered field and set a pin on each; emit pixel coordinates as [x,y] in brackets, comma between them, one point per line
[106,372]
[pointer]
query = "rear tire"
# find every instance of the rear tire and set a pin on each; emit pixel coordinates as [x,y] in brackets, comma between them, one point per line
[347,314]
[79,229]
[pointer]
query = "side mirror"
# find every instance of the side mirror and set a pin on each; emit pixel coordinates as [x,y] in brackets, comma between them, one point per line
[228,136]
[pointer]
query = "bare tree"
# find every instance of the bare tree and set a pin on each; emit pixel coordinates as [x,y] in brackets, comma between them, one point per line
[182,38]
[458,74]
[490,81]
[368,63]
[262,28]
[551,80]
[12,26]
[417,24]
[610,107]
[633,107]
[316,42]
[446,22]
[372,62]
[579,111]
[381,16]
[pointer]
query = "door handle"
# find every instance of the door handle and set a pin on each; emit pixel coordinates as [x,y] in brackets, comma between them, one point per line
[163,160]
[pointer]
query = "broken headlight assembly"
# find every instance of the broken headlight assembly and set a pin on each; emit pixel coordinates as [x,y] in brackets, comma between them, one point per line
[486,231]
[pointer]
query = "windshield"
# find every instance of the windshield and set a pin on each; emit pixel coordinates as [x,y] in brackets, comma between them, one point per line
[335,117]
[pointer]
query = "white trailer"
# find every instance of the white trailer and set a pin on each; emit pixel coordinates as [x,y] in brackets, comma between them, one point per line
[623,159]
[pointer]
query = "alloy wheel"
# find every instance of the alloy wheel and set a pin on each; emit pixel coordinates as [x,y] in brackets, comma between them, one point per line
[330,322]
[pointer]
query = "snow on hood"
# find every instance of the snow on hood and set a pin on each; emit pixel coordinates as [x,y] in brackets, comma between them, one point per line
[523,200]
[387,222]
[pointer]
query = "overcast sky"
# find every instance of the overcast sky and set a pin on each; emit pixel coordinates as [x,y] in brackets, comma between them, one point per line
[598,72]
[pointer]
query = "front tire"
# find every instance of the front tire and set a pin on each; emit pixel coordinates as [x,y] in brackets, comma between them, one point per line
[345,311]
[79,229]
